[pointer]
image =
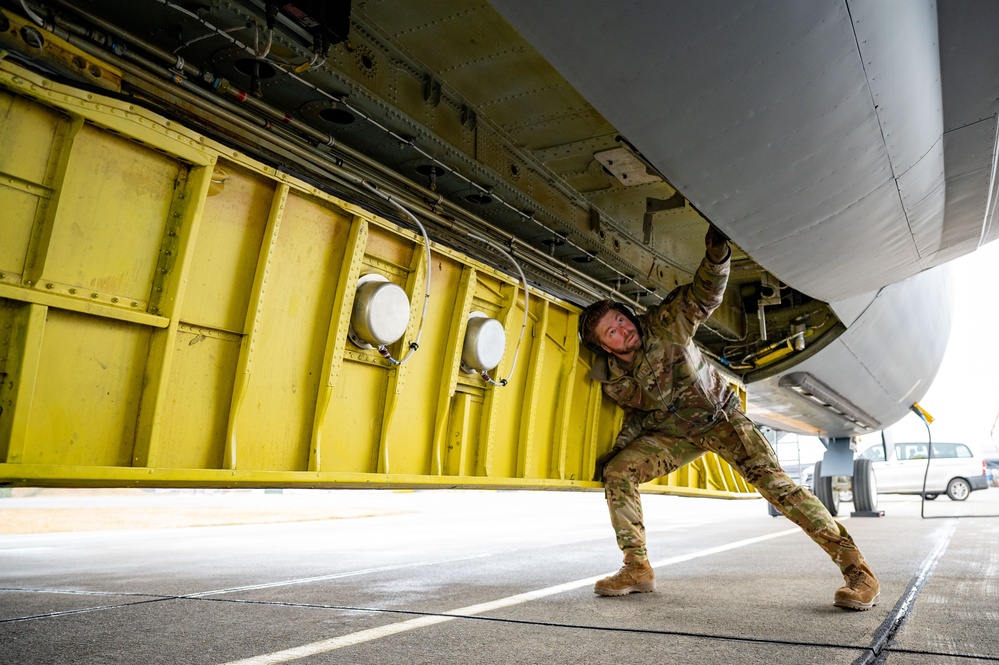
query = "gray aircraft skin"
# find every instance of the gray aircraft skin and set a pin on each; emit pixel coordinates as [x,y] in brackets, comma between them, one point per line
[847,149]
[846,146]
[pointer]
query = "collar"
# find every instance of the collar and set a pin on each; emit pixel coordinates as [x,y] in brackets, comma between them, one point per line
[608,368]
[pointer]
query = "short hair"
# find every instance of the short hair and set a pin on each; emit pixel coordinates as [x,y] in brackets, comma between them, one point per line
[591,317]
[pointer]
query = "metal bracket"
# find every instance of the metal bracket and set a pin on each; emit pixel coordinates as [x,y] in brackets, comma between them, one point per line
[838,458]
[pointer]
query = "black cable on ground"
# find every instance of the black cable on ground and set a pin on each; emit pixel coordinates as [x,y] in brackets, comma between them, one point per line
[926,473]
[929,457]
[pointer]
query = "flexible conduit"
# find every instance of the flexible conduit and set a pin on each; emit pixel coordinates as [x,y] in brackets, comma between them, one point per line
[31,14]
[415,344]
[485,374]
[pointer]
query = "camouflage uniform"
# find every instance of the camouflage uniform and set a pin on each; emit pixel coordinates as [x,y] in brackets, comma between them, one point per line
[678,407]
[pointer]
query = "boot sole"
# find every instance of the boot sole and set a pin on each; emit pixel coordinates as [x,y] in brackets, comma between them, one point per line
[856,605]
[645,587]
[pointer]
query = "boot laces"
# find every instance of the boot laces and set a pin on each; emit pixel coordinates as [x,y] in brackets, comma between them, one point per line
[856,577]
[629,568]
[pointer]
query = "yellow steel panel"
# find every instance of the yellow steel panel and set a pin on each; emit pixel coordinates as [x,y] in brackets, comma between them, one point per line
[251,324]
[589,402]
[23,330]
[27,133]
[8,378]
[458,296]
[86,396]
[503,408]
[275,422]
[407,433]
[535,455]
[112,215]
[429,380]
[38,137]
[691,475]
[15,228]
[568,436]
[196,411]
[549,423]
[336,342]
[388,248]
[228,244]
[168,292]
[240,373]
[463,439]
[355,419]
[42,226]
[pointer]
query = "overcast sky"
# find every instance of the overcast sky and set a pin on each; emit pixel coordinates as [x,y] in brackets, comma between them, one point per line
[964,396]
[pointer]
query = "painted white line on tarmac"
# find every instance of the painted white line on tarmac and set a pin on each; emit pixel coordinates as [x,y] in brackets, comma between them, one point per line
[332,644]
[333,576]
[372,571]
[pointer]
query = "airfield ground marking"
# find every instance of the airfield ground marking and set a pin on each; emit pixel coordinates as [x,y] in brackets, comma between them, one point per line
[332,644]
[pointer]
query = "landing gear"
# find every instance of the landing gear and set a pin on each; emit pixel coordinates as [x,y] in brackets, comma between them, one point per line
[828,489]
[865,486]
[825,492]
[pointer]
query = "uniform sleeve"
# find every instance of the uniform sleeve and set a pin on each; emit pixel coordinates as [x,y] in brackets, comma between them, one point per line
[692,304]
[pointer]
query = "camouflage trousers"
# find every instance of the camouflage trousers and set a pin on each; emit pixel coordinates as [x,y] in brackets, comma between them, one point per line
[739,443]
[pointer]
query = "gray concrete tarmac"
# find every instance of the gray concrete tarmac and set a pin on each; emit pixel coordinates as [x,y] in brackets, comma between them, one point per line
[478,577]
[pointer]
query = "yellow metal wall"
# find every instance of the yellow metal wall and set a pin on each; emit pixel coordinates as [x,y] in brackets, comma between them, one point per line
[173,313]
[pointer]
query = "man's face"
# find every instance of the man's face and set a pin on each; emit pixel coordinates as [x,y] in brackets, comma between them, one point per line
[617,334]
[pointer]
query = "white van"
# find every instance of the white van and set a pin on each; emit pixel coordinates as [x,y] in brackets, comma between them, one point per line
[954,469]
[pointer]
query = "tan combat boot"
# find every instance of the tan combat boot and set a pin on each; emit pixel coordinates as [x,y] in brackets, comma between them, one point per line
[862,588]
[634,577]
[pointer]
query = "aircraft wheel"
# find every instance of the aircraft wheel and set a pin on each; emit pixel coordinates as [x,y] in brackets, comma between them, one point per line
[865,486]
[958,489]
[824,491]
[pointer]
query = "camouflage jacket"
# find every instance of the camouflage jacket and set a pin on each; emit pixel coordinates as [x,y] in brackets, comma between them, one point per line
[670,387]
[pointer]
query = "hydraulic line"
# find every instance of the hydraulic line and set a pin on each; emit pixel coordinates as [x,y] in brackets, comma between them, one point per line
[31,14]
[786,341]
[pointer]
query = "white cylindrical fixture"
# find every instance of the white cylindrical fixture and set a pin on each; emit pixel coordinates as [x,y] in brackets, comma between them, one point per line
[485,342]
[381,311]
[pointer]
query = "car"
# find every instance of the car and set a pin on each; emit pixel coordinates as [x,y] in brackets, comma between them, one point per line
[954,470]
